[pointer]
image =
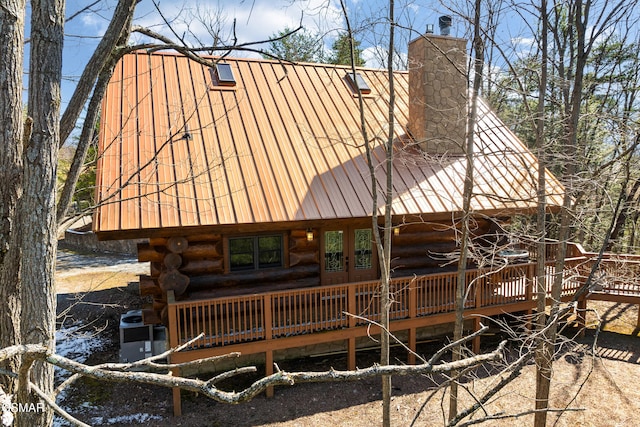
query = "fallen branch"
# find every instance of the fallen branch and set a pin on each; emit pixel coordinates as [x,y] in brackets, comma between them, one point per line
[208,387]
[521,414]
[149,363]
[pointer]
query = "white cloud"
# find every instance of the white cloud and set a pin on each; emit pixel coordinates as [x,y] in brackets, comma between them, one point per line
[373,56]
[376,57]
[254,21]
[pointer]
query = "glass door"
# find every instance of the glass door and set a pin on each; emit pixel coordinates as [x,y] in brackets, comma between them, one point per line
[348,255]
[364,265]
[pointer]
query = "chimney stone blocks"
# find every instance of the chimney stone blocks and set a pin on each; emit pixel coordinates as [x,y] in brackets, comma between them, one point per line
[438,93]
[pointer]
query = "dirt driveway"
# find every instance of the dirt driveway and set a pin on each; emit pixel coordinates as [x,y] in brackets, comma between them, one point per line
[84,272]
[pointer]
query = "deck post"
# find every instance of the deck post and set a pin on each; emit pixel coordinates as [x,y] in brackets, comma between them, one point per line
[411,358]
[351,353]
[267,317]
[476,340]
[268,334]
[413,313]
[479,284]
[173,343]
[413,300]
[351,342]
[177,401]
[531,279]
[268,366]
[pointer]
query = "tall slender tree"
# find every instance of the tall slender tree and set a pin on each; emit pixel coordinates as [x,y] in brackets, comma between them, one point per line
[382,237]
[542,350]
[467,197]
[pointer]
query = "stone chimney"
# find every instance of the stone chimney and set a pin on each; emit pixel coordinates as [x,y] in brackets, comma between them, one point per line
[438,93]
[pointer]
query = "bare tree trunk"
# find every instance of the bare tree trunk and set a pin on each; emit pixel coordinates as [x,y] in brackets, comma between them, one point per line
[12,15]
[100,68]
[543,372]
[385,260]
[461,286]
[36,207]
[570,137]
[383,244]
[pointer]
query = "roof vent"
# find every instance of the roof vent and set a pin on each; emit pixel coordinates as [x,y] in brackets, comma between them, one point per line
[445,25]
[359,83]
[429,29]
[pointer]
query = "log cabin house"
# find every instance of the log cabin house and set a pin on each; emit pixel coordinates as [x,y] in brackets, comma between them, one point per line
[250,181]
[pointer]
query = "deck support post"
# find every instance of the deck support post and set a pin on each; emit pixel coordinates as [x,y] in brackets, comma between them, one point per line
[476,340]
[351,353]
[268,366]
[351,341]
[411,358]
[173,343]
[177,402]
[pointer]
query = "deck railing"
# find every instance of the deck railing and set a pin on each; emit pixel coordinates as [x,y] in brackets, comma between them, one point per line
[269,315]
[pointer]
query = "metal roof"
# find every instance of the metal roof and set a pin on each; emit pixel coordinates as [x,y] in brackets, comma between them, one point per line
[282,144]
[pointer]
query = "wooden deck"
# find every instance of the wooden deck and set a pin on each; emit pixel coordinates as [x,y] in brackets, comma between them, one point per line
[270,321]
[277,320]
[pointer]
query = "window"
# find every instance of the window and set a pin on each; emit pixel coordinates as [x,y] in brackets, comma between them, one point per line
[333,251]
[255,252]
[222,75]
[363,244]
[358,82]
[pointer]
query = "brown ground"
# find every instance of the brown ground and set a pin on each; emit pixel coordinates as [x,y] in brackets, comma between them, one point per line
[600,391]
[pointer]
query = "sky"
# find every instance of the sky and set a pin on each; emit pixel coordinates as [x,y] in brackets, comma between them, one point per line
[255,20]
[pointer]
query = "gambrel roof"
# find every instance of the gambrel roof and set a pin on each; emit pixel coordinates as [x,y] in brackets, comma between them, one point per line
[180,149]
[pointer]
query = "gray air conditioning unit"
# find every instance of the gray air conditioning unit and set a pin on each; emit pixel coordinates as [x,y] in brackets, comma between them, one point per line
[139,341]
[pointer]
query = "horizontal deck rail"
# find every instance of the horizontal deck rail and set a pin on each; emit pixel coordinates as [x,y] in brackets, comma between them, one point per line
[233,320]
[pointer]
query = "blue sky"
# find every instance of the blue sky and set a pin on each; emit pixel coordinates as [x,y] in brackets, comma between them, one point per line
[259,19]
[255,20]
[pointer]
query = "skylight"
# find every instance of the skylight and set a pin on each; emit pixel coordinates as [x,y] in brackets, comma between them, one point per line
[359,83]
[223,75]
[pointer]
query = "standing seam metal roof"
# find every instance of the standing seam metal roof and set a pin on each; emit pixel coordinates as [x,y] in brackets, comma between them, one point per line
[283,144]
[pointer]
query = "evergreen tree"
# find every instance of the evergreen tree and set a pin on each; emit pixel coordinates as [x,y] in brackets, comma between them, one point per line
[341,51]
[296,46]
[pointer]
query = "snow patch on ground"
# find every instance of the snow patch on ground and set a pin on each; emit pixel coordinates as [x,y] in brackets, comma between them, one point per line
[76,343]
